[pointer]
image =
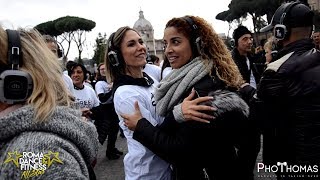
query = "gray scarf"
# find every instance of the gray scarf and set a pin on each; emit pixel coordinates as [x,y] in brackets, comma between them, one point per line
[171,89]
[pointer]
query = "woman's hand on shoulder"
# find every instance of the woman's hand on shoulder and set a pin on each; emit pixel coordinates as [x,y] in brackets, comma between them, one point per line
[193,109]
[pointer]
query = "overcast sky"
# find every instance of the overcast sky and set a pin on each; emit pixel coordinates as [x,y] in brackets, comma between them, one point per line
[109,14]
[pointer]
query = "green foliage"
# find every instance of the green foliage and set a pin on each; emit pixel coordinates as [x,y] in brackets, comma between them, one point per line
[226,16]
[48,28]
[71,24]
[100,48]
[68,28]
[254,9]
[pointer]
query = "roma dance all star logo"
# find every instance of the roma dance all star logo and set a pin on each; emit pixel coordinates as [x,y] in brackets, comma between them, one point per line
[33,164]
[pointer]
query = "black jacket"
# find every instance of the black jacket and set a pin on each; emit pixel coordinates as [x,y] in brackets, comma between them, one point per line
[192,146]
[290,92]
[241,62]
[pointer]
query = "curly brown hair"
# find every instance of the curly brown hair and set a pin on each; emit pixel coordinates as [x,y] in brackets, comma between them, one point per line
[212,49]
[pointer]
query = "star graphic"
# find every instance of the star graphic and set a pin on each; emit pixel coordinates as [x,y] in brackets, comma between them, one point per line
[14,157]
[51,157]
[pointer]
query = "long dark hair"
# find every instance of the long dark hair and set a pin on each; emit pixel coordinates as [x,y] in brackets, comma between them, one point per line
[113,72]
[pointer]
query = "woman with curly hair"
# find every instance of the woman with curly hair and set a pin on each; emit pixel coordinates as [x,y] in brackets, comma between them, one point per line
[202,66]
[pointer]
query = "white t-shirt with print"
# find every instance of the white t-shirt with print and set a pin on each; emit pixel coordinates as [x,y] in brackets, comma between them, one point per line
[86,97]
[140,162]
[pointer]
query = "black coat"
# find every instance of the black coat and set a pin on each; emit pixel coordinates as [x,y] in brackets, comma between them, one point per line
[192,146]
[255,66]
[290,92]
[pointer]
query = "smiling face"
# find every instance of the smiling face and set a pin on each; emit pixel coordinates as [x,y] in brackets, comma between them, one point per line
[177,47]
[133,50]
[77,76]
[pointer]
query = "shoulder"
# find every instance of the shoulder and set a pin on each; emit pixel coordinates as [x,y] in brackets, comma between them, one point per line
[101,83]
[275,66]
[88,89]
[66,77]
[127,91]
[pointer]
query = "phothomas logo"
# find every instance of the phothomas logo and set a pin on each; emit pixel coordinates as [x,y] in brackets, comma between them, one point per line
[290,170]
[32,164]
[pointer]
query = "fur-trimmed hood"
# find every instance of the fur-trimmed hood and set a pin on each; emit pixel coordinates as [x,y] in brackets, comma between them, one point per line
[227,101]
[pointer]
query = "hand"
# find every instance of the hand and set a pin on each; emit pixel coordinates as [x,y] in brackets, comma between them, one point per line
[131,120]
[86,112]
[191,108]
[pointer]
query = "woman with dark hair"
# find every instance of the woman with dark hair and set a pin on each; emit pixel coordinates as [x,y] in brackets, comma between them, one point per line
[125,59]
[85,96]
[201,64]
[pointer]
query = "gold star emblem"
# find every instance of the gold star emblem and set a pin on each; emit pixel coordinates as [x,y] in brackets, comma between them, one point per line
[52,157]
[14,157]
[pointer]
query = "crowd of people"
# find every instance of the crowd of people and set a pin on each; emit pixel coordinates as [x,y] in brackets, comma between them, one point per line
[198,114]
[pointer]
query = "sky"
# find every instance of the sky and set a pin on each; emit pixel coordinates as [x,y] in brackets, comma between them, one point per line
[109,15]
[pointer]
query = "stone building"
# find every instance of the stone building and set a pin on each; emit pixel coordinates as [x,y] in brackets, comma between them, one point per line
[144,27]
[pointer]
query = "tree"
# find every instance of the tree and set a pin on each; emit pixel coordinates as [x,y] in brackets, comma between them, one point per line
[231,18]
[48,28]
[100,48]
[255,9]
[75,29]
[68,29]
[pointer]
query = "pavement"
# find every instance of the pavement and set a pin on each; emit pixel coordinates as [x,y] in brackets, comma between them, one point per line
[106,169]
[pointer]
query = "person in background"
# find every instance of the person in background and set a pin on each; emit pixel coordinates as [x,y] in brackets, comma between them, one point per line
[69,64]
[316,39]
[202,66]
[108,124]
[154,60]
[289,92]
[241,55]
[270,49]
[53,46]
[102,86]
[85,96]
[39,119]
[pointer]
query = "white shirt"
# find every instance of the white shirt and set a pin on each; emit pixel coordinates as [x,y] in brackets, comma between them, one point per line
[140,163]
[68,82]
[166,71]
[252,79]
[102,87]
[153,71]
[86,97]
